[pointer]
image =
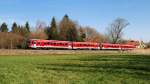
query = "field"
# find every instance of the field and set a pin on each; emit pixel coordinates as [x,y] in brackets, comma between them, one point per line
[75,69]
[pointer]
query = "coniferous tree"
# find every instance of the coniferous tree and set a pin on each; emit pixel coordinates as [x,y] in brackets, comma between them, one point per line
[27,26]
[23,31]
[4,28]
[82,34]
[53,33]
[15,28]
[72,34]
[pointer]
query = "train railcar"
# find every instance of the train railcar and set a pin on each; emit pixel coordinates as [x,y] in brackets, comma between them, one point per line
[127,47]
[108,46]
[36,43]
[85,45]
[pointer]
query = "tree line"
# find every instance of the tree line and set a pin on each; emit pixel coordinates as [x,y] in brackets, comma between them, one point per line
[66,29]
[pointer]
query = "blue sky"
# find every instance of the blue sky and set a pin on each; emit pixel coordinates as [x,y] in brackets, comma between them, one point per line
[95,13]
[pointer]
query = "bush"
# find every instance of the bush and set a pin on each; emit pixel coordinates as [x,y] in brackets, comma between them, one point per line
[148,45]
[10,40]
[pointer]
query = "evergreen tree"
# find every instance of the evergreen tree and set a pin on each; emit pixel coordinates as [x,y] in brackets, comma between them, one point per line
[72,34]
[4,28]
[27,26]
[15,28]
[23,31]
[82,34]
[53,33]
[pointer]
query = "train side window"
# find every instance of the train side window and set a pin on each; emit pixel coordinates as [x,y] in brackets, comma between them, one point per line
[48,43]
[44,43]
[62,44]
[38,43]
[32,42]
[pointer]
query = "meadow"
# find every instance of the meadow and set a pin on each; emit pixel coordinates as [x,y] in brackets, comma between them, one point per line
[75,69]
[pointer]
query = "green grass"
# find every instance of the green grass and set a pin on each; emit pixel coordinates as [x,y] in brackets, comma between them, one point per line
[75,69]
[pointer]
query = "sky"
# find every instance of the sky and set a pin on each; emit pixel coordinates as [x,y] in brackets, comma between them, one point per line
[97,14]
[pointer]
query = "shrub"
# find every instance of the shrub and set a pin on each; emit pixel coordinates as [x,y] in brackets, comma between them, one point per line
[10,40]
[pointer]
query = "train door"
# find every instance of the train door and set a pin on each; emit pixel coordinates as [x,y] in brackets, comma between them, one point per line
[99,46]
[70,45]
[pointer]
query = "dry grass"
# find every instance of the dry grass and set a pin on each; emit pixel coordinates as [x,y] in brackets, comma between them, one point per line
[141,51]
[61,52]
[50,52]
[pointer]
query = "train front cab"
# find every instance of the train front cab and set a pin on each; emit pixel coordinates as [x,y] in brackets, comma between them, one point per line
[32,44]
[49,44]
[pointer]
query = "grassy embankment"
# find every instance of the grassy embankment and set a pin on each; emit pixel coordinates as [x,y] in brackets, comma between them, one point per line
[75,69]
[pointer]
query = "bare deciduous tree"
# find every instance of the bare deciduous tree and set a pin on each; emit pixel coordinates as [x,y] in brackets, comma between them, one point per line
[115,30]
[92,35]
[39,33]
[68,29]
[148,44]
[10,40]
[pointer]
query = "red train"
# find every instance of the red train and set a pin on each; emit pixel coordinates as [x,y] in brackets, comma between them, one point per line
[53,44]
